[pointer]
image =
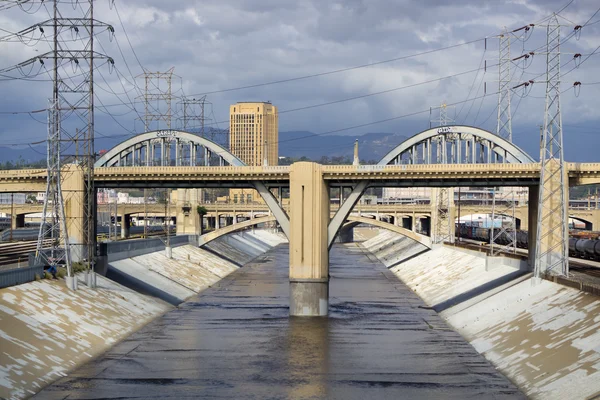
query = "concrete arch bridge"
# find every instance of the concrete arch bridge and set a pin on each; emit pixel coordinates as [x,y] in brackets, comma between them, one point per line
[444,157]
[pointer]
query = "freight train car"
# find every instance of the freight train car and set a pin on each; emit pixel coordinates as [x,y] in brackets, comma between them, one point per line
[580,248]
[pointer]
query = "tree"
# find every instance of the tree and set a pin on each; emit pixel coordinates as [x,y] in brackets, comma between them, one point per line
[201,210]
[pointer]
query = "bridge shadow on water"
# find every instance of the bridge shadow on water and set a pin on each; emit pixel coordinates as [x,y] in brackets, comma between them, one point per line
[236,341]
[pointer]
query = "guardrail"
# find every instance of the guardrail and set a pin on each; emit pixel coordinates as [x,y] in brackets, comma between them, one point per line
[18,276]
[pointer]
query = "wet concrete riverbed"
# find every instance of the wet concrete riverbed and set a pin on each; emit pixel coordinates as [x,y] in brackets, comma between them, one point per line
[236,341]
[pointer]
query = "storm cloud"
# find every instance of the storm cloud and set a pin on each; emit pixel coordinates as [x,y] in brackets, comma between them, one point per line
[216,45]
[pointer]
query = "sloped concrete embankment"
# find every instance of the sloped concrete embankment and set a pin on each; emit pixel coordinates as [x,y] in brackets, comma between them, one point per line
[47,330]
[392,248]
[544,337]
[191,269]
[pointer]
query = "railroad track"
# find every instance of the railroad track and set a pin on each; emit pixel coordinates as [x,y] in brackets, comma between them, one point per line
[12,253]
[576,264]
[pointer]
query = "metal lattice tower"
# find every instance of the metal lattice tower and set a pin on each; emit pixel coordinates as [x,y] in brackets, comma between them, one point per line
[156,93]
[72,118]
[193,114]
[54,222]
[504,127]
[444,224]
[551,252]
[503,201]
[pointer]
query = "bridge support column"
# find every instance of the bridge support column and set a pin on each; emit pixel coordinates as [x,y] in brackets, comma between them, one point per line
[407,222]
[532,213]
[309,255]
[346,235]
[17,221]
[125,225]
[73,195]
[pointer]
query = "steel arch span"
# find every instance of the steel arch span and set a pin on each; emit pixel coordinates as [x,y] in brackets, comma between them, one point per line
[179,148]
[452,144]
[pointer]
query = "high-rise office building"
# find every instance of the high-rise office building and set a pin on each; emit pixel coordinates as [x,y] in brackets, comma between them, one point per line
[254,131]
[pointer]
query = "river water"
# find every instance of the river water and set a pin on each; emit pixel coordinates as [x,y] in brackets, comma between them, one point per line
[236,341]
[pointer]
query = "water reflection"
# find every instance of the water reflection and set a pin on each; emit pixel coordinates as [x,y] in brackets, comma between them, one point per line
[308,357]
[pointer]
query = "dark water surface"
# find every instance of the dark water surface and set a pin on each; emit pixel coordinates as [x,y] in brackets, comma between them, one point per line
[236,341]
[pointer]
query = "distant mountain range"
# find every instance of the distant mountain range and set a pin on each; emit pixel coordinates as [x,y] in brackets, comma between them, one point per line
[372,146]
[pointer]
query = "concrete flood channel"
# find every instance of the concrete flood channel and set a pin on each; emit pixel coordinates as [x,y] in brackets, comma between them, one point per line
[236,340]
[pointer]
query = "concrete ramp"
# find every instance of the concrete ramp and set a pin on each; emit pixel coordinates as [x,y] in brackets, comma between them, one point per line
[445,273]
[544,337]
[242,247]
[392,248]
[47,330]
[191,269]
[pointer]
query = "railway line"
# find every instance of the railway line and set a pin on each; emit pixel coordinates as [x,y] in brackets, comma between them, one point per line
[579,263]
[13,252]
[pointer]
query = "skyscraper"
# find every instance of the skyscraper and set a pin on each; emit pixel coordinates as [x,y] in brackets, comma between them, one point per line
[254,131]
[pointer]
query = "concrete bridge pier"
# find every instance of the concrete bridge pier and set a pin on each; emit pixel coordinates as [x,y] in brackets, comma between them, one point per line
[17,221]
[346,235]
[125,225]
[533,205]
[309,254]
[73,194]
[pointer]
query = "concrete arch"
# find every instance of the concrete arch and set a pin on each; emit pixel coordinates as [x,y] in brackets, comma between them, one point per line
[505,151]
[163,137]
[588,224]
[446,134]
[204,239]
[147,140]
[424,240]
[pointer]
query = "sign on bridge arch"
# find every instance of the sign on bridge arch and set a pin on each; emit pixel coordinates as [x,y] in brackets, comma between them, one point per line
[167,133]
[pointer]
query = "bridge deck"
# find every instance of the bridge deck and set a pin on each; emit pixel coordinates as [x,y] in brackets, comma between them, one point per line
[236,340]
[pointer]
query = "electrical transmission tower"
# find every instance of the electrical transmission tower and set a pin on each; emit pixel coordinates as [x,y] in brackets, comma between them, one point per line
[54,222]
[504,126]
[71,127]
[503,200]
[551,251]
[158,99]
[193,114]
[443,197]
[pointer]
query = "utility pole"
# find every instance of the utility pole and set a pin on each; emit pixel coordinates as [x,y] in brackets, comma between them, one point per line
[12,215]
[552,223]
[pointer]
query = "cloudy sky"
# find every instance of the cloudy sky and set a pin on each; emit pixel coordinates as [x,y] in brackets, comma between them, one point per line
[233,50]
